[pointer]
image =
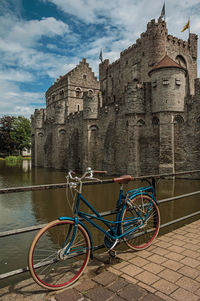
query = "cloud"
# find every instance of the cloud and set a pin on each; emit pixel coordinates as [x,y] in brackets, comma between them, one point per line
[28,32]
[17,102]
[23,60]
[37,51]
[16,75]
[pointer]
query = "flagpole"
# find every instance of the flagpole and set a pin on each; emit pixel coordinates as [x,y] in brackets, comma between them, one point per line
[189,26]
[164,13]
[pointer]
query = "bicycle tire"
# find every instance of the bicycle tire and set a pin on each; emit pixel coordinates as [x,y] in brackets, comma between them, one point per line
[47,266]
[145,234]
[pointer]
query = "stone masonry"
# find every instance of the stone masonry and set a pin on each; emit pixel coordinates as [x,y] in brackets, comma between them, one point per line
[141,117]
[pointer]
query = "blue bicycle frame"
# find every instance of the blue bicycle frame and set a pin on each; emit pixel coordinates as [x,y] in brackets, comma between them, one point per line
[115,232]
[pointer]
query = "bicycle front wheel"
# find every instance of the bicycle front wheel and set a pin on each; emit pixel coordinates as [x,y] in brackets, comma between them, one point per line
[141,214]
[49,266]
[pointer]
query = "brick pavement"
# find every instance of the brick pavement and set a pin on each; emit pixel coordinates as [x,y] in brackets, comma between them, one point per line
[168,270]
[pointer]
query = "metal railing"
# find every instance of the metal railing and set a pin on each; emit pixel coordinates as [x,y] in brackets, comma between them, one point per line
[107,181]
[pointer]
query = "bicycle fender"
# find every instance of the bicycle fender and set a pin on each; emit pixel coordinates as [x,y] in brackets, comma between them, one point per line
[147,194]
[76,221]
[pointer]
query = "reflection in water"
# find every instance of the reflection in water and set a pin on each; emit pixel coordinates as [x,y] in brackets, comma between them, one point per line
[26,165]
[18,210]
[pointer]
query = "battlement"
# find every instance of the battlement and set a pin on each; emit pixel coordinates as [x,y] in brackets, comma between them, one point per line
[152,27]
[75,115]
[112,107]
[197,86]
[175,41]
[39,117]
[114,64]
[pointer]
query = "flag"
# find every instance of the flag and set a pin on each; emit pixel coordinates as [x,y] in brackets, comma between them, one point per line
[187,25]
[163,11]
[101,56]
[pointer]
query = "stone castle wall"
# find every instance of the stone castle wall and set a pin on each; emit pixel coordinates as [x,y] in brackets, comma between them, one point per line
[136,61]
[135,120]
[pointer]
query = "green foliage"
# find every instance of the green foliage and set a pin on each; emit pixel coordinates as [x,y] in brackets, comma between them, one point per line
[7,144]
[14,158]
[21,132]
[15,134]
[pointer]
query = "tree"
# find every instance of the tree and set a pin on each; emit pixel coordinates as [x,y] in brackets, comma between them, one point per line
[7,144]
[21,132]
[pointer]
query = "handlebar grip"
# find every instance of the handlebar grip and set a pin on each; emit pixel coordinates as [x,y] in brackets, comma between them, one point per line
[99,172]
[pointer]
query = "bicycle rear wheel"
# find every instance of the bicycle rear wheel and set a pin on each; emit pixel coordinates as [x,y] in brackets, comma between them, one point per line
[48,265]
[141,212]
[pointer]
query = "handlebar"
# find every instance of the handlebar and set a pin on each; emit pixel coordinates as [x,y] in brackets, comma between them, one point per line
[99,172]
[88,174]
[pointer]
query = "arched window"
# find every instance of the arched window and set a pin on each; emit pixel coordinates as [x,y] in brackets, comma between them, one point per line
[155,121]
[181,61]
[90,92]
[140,122]
[93,127]
[61,92]
[62,132]
[178,119]
[78,92]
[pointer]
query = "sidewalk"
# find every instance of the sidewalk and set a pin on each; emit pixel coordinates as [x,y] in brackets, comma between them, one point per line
[106,286]
[168,270]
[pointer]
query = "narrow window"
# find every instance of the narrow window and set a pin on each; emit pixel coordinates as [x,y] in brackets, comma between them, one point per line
[90,92]
[155,121]
[165,81]
[78,92]
[61,93]
[154,84]
[178,82]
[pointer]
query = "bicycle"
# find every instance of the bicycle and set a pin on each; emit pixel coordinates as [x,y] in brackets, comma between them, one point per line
[61,250]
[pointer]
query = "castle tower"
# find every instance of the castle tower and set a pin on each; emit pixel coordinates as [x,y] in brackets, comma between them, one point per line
[134,98]
[37,124]
[168,82]
[155,40]
[60,112]
[90,105]
[168,86]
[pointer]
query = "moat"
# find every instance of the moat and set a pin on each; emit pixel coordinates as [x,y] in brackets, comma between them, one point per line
[18,210]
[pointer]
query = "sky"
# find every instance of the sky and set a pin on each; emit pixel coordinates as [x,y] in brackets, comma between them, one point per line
[43,39]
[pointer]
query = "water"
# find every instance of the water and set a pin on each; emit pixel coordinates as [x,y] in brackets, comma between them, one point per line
[18,210]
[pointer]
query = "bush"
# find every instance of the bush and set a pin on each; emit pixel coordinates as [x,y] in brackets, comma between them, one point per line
[13,159]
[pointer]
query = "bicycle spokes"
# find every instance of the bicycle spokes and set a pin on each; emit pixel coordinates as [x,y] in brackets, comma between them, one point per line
[141,221]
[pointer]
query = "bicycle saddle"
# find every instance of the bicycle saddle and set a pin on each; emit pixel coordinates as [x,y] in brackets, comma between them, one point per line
[123,179]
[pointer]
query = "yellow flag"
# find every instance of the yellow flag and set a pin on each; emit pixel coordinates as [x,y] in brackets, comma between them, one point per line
[187,25]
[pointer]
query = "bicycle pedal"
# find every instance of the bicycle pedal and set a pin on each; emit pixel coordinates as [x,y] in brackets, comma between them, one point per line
[112,253]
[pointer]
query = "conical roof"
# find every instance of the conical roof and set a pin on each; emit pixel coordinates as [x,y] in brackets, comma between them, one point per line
[167,62]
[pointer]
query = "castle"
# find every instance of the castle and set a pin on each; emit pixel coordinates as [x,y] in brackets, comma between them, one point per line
[141,117]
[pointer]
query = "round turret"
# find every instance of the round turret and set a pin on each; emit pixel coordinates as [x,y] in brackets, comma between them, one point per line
[60,112]
[39,118]
[168,81]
